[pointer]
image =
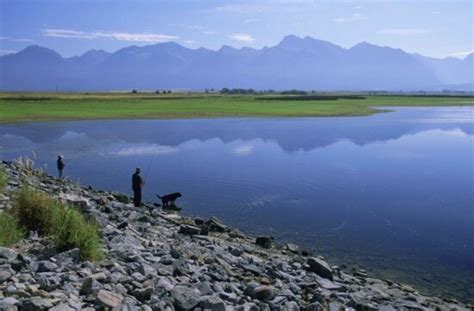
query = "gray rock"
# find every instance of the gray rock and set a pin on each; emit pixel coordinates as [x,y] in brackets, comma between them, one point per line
[291,306]
[212,303]
[190,230]
[63,307]
[7,253]
[7,303]
[204,288]
[215,224]
[165,283]
[108,299]
[237,251]
[320,267]
[253,269]
[69,257]
[264,241]
[36,304]
[89,286]
[292,247]
[46,266]
[315,306]
[126,305]
[262,293]
[143,294]
[185,298]
[48,281]
[4,275]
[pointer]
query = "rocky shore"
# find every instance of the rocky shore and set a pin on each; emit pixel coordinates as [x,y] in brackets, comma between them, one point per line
[156,260]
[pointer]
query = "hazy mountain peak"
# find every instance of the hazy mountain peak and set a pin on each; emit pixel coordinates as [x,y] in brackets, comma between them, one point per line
[39,51]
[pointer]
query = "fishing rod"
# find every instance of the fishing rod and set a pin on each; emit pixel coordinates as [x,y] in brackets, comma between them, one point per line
[149,166]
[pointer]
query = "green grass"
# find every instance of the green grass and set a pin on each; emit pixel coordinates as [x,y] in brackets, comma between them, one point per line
[18,107]
[36,211]
[10,232]
[3,179]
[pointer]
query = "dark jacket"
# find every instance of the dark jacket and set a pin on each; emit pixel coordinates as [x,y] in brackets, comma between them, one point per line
[60,164]
[137,181]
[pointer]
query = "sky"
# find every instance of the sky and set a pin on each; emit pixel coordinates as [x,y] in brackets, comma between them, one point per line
[72,27]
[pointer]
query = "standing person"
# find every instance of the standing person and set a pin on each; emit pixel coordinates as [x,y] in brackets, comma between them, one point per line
[61,165]
[137,184]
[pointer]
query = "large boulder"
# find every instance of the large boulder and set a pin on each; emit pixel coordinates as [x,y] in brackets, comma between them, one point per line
[108,299]
[185,298]
[89,286]
[215,224]
[7,253]
[320,267]
[190,230]
[212,303]
[8,303]
[262,293]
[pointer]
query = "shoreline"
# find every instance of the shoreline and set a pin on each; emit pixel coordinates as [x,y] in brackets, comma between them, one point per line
[156,260]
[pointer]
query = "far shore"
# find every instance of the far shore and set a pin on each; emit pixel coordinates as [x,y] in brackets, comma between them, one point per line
[27,107]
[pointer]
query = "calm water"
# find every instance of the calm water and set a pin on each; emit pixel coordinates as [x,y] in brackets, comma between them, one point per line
[393,192]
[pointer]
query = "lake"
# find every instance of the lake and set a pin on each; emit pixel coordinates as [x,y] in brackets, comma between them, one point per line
[392,192]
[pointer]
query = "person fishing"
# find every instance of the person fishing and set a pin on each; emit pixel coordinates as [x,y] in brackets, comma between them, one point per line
[137,184]
[60,163]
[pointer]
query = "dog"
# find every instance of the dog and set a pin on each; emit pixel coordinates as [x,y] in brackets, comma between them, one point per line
[168,199]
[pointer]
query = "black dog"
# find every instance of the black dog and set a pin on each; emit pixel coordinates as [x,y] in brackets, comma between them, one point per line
[169,199]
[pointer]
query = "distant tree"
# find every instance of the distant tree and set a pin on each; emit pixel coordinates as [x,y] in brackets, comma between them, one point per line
[294,92]
[134,91]
[157,92]
[169,91]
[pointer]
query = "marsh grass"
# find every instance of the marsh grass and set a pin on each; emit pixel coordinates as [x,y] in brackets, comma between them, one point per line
[17,107]
[36,211]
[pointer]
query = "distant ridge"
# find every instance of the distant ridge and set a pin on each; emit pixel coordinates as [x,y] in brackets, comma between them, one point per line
[294,63]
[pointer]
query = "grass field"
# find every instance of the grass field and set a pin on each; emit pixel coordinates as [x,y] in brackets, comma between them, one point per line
[20,107]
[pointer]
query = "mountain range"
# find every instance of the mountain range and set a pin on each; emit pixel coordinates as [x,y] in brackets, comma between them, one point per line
[294,63]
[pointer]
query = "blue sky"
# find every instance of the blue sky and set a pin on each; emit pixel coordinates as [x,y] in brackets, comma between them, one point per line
[71,27]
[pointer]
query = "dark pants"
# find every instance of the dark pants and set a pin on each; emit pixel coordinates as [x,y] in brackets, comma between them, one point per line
[60,173]
[137,197]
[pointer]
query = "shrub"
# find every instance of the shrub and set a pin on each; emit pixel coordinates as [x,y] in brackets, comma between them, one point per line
[10,232]
[3,179]
[74,231]
[34,210]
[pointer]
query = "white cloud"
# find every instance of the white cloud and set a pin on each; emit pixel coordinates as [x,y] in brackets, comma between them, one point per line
[242,37]
[243,150]
[16,39]
[144,150]
[209,32]
[403,31]
[353,18]
[109,35]
[462,54]
[4,52]
[193,27]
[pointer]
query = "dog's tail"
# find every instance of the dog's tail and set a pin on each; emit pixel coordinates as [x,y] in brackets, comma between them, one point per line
[158,196]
